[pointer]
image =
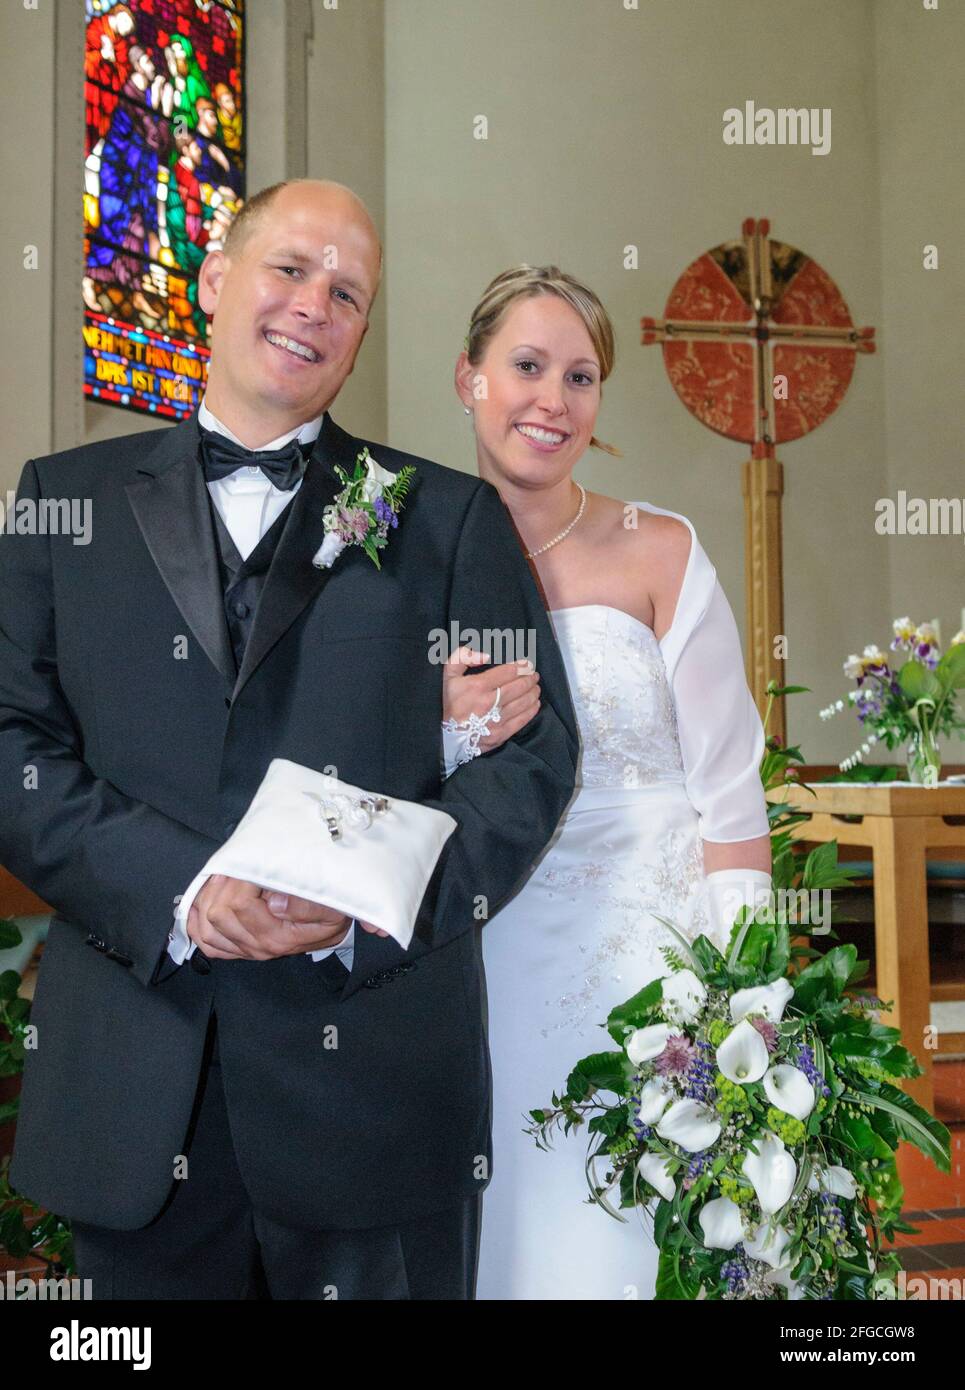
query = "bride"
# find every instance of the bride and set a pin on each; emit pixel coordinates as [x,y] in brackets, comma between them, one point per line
[669,814]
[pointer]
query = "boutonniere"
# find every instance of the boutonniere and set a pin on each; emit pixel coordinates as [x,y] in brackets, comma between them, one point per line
[364,511]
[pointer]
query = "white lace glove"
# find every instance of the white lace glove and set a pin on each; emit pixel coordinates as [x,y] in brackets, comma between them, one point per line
[460,740]
[727,891]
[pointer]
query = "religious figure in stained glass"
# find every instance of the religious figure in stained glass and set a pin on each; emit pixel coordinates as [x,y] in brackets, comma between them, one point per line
[164,177]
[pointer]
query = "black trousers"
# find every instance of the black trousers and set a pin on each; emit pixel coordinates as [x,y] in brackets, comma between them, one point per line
[208,1242]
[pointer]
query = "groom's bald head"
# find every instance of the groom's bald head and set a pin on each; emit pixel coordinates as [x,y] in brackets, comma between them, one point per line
[322,192]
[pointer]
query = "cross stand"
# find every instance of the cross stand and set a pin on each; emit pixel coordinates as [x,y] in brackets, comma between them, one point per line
[760,346]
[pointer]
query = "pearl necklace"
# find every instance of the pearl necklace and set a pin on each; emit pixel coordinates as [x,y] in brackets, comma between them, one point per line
[531,554]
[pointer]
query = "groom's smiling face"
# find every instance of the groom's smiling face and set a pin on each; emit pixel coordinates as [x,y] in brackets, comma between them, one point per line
[290,308]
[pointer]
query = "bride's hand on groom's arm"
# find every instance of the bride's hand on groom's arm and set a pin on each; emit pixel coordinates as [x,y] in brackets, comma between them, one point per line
[232,920]
[464,694]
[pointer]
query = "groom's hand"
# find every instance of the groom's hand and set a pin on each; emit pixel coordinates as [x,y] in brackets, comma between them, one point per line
[231,920]
[294,909]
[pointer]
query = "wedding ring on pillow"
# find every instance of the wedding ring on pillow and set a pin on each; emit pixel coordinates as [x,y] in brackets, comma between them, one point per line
[339,809]
[471,730]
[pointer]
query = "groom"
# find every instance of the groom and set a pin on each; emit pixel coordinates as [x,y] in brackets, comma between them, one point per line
[289,1104]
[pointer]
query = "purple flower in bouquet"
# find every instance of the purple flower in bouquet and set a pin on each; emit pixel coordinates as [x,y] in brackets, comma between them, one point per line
[805,1060]
[700,1075]
[735,1271]
[677,1056]
[386,516]
[767,1030]
[695,1167]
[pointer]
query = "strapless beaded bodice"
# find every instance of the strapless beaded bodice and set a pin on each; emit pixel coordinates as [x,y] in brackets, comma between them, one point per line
[623,702]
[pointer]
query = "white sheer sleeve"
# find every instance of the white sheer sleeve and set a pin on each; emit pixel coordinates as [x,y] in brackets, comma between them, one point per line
[718,726]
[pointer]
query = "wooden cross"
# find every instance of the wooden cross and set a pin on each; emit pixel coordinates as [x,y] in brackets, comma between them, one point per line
[759,345]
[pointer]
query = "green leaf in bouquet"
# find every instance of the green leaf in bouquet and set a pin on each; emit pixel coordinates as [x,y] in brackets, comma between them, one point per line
[663,1222]
[858,971]
[911,1120]
[918,683]
[611,1123]
[779,956]
[628,1187]
[711,961]
[749,947]
[603,1071]
[951,668]
[858,1026]
[636,1012]
[853,1286]
[673,1284]
[892,1057]
[825,978]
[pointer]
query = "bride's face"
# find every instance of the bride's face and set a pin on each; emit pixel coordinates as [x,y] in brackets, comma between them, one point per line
[536,415]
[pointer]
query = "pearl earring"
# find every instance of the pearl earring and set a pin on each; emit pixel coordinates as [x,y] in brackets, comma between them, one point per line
[467,410]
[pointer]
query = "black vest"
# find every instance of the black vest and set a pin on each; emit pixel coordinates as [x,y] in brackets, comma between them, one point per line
[243,580]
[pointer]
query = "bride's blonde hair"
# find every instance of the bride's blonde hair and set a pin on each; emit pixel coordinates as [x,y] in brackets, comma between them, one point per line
[525,282]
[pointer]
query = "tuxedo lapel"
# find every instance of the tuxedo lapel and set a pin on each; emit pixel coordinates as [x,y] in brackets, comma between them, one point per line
[292,580]
[171,505]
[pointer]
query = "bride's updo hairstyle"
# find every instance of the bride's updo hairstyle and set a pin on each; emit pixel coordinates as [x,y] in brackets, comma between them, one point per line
[525,282]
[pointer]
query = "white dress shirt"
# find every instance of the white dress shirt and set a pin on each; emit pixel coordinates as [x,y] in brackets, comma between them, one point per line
[249,503]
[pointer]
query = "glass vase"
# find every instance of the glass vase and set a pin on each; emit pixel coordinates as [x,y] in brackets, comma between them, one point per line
[924,759]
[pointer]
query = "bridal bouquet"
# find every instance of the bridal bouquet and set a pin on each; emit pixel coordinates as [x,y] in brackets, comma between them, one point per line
[756,1105]
[911,704]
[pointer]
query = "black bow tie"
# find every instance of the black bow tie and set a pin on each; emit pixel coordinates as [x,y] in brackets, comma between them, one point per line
[221,456]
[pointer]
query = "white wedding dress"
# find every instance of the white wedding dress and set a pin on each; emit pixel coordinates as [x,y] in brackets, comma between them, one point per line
[671,743]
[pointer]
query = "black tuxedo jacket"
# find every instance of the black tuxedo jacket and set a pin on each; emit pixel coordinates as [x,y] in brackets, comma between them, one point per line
[129,748]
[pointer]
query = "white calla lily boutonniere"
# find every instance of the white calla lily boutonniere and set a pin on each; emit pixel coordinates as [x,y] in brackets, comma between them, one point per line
[365,510]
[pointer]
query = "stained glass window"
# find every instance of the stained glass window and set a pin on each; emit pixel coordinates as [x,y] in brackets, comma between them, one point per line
[164,175]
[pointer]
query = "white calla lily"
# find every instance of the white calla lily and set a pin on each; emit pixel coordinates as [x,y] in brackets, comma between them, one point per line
[788,1089]
[720,1221]
[769,1000]
[377,479]
[684,996]
[653,1168]
[655,1096]
[646,1043]
[743,1056]
[769,1245]
[833,1178]
[771,1172]
[691,1124]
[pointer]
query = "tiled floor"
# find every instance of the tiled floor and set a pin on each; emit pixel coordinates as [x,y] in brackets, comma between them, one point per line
[935,1202]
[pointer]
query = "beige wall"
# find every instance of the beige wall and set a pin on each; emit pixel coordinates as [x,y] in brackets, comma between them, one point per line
[26,176]
[346,141]
[921,156]
[605,130]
